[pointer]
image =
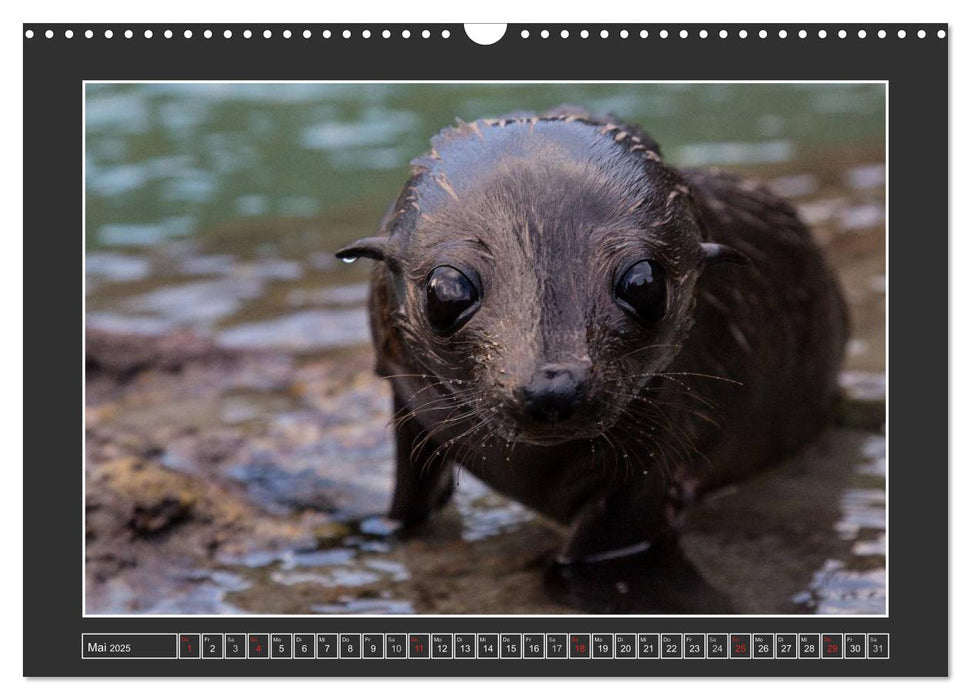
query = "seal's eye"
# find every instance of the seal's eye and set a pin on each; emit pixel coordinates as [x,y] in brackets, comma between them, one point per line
[642,291]
[450,298]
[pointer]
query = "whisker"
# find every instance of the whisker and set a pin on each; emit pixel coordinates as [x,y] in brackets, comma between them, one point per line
[648,347]
[671,404]
[686,390]
[689,374]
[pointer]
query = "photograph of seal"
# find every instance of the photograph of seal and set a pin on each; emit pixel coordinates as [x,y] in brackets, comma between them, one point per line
[599,336]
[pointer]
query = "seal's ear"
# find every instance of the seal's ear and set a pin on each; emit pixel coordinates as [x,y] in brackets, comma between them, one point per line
[374,248]
[717,253]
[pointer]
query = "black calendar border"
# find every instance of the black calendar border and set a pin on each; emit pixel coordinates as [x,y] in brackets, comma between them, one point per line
[917,73]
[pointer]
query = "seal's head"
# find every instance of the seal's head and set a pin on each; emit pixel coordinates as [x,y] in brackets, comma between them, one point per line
[543,268]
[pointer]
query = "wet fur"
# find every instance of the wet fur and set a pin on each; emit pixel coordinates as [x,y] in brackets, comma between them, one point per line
[544,210]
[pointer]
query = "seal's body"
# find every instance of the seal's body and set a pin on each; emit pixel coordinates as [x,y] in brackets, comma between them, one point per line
[553,315]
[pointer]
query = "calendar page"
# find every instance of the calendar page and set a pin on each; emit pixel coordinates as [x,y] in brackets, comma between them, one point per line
[486,350]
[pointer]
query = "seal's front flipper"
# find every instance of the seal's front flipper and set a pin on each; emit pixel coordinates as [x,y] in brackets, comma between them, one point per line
[423,481]
[657,579]
[623,556]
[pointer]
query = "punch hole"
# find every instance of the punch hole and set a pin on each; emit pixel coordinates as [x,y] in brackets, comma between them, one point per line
[763,34]
[446,34]
[723,34]
[88,34]
[861,33]
[68,34]
[247,34]
[624,34]
[803,33]
[168,33]
[29,34]
[346,34]
[109,33]
[267,33]
[287,34]
[425,34]
[187,33]
[49,33]
[882,34]
[683,34]
[742,34]
[524,34]
[405,34]
[941,34]
[564,34]
[841,33]
[584,33]
[129,33]
[604,33]
[484,34]
[663,34]
[703,34]
[921,34]
[545,33]
[901,34]
[366,34]
[822,34]
[644,33]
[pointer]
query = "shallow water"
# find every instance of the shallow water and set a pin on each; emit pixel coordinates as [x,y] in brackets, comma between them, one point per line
[259,486]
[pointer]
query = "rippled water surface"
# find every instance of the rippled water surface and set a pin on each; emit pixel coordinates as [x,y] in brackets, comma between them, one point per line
[250,473]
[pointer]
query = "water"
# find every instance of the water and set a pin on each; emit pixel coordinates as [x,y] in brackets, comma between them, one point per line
[216,208]
[191,185]
[170,161]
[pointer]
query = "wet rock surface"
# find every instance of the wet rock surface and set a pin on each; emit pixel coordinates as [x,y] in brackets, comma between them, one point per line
[221,481]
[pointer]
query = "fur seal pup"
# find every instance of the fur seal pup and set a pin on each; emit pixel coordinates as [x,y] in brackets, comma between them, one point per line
[599,336]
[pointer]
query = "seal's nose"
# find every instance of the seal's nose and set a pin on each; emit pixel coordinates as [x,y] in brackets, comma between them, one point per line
[554,391]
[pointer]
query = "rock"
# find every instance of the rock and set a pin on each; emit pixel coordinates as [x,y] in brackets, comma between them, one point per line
[123,356]
[863,401]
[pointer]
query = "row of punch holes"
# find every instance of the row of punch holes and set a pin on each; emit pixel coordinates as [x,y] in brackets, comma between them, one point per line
[245,34]
[724,33]
[524,34]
